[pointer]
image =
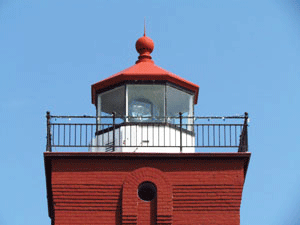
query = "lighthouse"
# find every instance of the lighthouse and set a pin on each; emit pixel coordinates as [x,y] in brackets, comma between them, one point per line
[145,157]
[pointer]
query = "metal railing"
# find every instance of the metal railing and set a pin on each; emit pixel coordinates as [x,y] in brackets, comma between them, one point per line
[112,132]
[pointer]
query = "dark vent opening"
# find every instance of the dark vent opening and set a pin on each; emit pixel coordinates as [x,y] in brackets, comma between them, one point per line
[147,191]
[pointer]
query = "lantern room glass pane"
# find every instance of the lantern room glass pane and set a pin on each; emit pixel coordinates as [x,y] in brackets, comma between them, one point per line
[180,101]
[112,101]
[146,103]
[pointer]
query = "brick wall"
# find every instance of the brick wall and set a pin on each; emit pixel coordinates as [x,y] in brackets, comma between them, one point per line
[102,188]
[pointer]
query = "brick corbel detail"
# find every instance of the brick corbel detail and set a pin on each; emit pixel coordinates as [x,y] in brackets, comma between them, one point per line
[130,197]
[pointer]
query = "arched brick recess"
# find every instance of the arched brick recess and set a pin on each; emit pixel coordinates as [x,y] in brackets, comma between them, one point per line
[130,197]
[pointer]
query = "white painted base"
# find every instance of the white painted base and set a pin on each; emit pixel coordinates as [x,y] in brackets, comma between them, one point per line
[143,138]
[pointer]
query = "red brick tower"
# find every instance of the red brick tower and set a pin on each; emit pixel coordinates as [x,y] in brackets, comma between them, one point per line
[141,166]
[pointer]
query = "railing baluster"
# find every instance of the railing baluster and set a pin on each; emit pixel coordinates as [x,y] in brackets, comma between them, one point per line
[230,134]
[208,135]
[69,134]
[64,134]
[86,134]
[198,135]
[75,134]
[153,137]
[214,135]
[170,134]
[158,134]
[186,143]
[120,144]
[92,137]
[130,135]
[219,135]
[80,133]
[102,135]
[202,135]
[235,143]
[53,134]
[224,135]
[180,117]
[58,134]
[114,122]
[165,133]
[125,128]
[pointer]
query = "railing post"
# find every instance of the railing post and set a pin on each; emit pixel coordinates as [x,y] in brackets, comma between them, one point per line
[180,118]
[114,122]
[97,123]
[244,136]
[246,132]
[48,116]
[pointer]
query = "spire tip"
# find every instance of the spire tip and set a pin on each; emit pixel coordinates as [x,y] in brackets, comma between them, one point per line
[144,26]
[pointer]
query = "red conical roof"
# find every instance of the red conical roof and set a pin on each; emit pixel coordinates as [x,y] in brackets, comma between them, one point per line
[144,70]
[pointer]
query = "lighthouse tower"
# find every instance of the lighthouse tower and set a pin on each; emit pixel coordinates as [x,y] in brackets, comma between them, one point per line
[135,162]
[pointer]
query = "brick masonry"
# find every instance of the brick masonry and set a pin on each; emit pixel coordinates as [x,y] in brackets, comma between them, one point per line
[101,188]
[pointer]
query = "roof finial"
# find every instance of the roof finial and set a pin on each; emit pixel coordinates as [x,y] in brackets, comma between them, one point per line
[144,26]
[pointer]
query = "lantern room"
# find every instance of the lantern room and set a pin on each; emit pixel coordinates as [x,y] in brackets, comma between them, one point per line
[146,99]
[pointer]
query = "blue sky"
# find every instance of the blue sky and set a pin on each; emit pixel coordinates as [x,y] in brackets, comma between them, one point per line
[244,55]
